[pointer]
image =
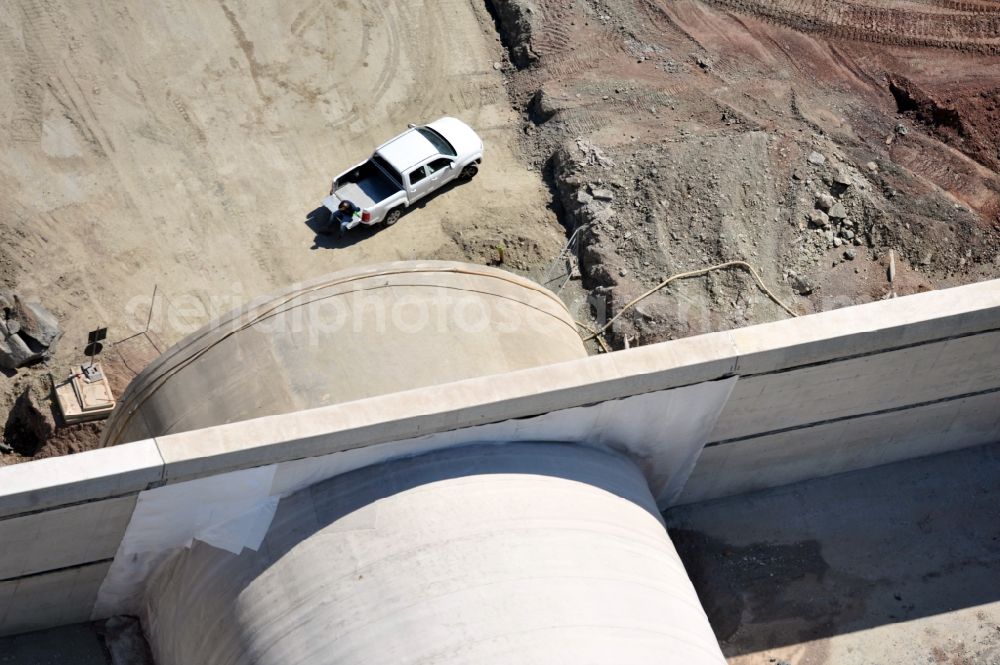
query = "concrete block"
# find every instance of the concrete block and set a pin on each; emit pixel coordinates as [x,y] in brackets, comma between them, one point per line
[674,364]
[86,476]
[861,385]
[867,328]
[945,427]
[54,599]
[846,445]
[766,462]
[63,537]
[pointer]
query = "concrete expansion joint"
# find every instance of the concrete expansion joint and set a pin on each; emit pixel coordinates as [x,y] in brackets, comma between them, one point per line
[867,414]
[68,504]
[869,354]
[163,466]
[49,571]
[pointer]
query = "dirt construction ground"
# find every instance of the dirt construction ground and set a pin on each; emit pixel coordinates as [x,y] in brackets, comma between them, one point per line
[848,151]
[808,138]
[183,145]
[162,163]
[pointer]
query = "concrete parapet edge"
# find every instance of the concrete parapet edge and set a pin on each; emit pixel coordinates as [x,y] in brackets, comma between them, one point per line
[825,337]
[870,328]
[418,413]
[87,476]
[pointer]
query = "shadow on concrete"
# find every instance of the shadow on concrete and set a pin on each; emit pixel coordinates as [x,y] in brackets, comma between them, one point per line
[78,644]
[315,508]
[897,544]
[333,499]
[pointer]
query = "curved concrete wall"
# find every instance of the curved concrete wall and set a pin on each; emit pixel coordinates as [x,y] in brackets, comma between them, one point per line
[815,396]
[516,553]
[348,336]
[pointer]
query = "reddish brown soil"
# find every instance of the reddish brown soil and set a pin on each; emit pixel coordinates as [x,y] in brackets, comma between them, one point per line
[706,113]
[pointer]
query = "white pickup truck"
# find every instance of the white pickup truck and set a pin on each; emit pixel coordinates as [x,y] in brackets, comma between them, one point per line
[409,167]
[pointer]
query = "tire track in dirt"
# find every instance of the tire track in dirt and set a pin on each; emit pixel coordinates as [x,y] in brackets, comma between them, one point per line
[58,91]
[477,85]
[665,24]
[377,22]
[974,33]
[182,110]
[319,12]
[962,5]
[391,35]
[81,113]
[433,27]
[552,34]
[30,72]
[248,50]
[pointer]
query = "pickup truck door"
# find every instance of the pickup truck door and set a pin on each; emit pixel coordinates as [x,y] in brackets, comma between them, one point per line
[435,173]
[419,185]
[440,170]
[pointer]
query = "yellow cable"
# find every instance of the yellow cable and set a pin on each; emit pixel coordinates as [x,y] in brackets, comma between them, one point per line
[694,273]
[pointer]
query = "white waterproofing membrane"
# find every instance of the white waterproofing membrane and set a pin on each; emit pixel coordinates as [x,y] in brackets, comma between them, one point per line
[663,433]
[229,511]
[527,553]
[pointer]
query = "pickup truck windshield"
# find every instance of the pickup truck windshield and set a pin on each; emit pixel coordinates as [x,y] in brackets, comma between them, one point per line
[389,171]
[439,142]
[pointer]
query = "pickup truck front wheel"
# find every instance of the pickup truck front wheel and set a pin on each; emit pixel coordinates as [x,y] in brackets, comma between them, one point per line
[469,172]
[393,216]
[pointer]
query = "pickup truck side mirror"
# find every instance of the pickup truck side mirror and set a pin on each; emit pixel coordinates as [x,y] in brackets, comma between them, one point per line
[411,125]
[451,165]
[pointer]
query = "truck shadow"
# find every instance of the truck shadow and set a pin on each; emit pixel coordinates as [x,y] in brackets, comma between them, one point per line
[327,237]
[319,222]
[436,193]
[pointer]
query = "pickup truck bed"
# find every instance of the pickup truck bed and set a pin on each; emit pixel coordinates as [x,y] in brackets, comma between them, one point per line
[366,193]
[366,186]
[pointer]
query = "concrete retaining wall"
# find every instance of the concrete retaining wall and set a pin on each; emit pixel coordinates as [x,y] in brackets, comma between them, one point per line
[61,521]
[864,408]
[815,396]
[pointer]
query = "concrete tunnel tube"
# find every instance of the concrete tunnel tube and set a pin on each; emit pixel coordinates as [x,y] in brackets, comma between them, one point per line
[513,552]
[346,336]
[529,553]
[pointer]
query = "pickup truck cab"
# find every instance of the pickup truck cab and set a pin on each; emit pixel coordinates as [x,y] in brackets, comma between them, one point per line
[407,168]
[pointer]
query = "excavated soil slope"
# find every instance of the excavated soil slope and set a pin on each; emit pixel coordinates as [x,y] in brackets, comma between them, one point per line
[682,134]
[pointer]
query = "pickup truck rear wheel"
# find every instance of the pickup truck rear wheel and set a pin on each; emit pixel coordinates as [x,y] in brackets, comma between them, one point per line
[393,216]
[469,172]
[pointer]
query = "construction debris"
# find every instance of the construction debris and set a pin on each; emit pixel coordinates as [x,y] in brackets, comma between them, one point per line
[592,155]
[27,331]
[816,158]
